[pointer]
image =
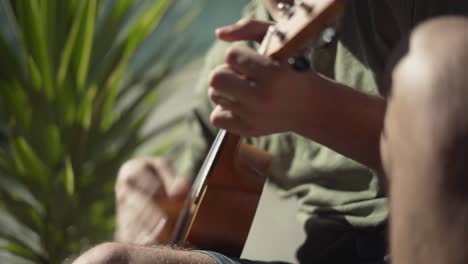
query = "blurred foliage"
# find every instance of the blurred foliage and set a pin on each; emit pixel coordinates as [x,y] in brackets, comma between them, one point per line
[71,111]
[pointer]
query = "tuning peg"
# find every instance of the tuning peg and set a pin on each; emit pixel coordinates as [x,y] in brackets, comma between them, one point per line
[286,9]
[281,35]
[307,8]
[327,37]
[300,63]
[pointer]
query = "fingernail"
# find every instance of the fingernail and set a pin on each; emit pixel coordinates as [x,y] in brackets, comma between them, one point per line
[218,31]
[223,29]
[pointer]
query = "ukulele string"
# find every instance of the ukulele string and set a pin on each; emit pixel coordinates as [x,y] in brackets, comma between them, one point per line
[198,185]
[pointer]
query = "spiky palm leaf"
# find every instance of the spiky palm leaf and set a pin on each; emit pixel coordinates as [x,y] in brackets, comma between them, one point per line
[70,114]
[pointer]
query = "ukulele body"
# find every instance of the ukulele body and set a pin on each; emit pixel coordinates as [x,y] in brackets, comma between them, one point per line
[223,213]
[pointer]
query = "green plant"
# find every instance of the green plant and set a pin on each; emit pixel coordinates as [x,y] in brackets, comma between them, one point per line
[72,104]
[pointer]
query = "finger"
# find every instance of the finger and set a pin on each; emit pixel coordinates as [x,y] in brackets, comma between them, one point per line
[180,188]
[141,214]
[161,169]
[152,231]
[157,234]
[229,85]
[236,107]
[221,99]
[223,118]
[249,63]
[244,29]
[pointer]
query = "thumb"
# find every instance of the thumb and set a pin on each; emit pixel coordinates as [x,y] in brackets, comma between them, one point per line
[245,29]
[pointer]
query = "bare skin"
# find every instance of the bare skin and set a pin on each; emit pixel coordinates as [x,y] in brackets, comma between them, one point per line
[425,146]
[121,253]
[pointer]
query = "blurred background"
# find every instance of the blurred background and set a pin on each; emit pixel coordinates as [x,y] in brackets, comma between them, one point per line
[84,86]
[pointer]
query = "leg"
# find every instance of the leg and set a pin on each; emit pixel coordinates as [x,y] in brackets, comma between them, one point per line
[425,146]
[118,253]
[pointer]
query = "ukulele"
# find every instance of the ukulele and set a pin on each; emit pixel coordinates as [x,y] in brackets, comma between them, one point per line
[221,205]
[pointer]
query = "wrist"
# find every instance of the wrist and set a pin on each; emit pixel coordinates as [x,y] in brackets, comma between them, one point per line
[316,104]
[343,119]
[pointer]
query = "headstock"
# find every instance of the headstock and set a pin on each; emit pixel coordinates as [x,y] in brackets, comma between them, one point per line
[300,24]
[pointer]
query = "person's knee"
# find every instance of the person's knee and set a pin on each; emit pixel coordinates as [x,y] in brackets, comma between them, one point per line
[430,80]
[110,252]
[426,110]
[435,62]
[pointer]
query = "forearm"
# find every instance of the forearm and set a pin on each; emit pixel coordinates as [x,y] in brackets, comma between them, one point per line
[345,120]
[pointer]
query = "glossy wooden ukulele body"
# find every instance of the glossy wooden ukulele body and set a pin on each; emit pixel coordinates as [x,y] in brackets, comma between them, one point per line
[223,201]
[227,204]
